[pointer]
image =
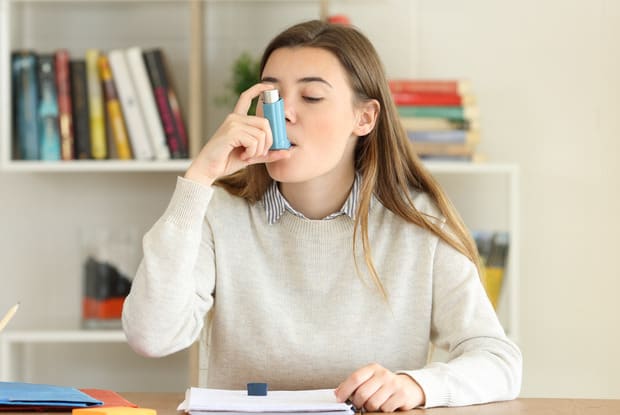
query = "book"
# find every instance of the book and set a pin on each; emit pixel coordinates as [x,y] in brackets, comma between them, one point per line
[445,137]
[443,149]
[493,251]
[130,105]
[37,396]
[113,107]
[446,86]
[79,96]
[49,135]
[144,91]
[97,125]
[205,400]
[161,90]
[432,99]
[437,124]
[25,104]
[449,112]
[65,113]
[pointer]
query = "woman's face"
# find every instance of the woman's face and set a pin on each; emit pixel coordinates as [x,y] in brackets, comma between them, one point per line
[319,110]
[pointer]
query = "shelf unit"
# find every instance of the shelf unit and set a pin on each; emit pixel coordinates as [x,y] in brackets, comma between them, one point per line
[192,104]
[11,343]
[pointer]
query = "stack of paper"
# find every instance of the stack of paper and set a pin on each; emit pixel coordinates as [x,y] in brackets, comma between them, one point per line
[34,396]
[200,400]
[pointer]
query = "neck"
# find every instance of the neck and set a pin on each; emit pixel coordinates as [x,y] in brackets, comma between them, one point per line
[321,196]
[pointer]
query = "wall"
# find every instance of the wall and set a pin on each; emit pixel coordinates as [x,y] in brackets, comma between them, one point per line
[546,75]
[547,78]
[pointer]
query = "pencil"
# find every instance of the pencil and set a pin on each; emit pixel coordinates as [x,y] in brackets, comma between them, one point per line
[8,316]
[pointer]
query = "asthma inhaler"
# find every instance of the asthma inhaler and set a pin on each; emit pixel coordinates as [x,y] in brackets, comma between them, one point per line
[273,109]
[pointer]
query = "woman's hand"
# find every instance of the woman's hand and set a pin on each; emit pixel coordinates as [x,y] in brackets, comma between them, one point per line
[241,140]
[377,389]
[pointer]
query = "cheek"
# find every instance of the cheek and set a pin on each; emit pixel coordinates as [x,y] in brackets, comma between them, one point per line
[330,132]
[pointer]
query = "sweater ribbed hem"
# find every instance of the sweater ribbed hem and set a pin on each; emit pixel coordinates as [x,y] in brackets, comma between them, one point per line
[188,205]
[436,394]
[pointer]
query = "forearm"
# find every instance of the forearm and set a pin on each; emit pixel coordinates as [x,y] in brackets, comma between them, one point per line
[172,289]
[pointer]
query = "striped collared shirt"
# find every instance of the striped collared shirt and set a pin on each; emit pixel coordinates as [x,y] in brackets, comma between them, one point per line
[276,204]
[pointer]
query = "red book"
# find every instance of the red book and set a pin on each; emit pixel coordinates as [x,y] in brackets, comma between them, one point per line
[427,99]
[65,113]
[430,85]
[109,398]
[167,104]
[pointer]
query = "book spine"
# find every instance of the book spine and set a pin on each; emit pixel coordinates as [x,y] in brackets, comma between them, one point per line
[49,135]
[443,149]
[449,112]
[158,83]
[65,114]
[436,124]
[140,77]
[97,124]
[427,85]
[130,105]
[179,123]
[429,99]
[121,140]
[24,71]
[79,95]
[454,136]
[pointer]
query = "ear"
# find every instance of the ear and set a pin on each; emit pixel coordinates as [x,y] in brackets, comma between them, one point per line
[367,115]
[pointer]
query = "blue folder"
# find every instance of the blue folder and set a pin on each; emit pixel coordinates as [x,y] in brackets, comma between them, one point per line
[14,394]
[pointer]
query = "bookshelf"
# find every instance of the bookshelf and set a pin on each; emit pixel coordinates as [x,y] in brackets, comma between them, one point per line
[176,28]
[184,36]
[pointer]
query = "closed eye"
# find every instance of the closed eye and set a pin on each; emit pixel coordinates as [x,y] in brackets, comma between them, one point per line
[312,99]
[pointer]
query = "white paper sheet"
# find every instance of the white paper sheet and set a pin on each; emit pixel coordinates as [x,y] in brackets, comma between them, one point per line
[218,400]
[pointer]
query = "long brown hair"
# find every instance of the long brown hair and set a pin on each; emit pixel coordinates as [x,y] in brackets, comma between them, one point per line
[388,165]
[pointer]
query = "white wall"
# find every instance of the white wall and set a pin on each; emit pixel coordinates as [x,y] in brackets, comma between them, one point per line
[547,74]
[547,77]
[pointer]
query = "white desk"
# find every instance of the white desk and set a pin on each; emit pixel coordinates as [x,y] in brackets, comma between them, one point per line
[12,342]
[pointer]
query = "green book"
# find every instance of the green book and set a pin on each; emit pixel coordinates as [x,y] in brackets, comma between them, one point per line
[452,113]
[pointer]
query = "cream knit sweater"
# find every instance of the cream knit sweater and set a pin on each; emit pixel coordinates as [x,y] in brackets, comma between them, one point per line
[289,308]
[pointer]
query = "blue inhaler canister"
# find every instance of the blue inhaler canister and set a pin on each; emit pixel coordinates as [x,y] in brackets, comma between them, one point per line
[273,109]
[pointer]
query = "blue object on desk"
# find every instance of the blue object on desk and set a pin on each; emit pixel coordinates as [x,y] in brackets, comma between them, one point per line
[257,389]
[41,395]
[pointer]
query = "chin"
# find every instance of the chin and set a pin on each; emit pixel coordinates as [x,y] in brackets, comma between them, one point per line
[286,172]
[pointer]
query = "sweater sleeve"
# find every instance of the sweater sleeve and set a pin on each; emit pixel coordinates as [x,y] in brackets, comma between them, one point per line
[173,287]
[483,364]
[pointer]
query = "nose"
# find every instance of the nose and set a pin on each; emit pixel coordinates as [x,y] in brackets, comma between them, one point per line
[289,110]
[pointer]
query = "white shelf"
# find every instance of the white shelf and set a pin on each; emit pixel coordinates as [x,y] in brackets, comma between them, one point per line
[63,336]
[11,343]
[27,166]
[95,166]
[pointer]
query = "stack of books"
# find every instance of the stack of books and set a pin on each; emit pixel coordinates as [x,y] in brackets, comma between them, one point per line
[441,117]
[115,105]
[493,250]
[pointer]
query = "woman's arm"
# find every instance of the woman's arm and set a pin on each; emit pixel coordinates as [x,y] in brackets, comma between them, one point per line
[172,290]
[483,364]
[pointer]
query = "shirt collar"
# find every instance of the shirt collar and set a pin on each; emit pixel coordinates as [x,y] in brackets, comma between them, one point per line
[276,204]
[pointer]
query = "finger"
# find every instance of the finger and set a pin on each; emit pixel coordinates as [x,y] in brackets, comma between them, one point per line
[393,404]
[263,124]
[346,388]
[257,126]
[378,399]
[246,97]
[270,157]
[364,392]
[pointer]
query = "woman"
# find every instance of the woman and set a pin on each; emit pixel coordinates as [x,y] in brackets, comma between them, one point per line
[318,261]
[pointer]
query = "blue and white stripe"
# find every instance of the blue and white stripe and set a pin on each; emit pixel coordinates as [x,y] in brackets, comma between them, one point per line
[276,204]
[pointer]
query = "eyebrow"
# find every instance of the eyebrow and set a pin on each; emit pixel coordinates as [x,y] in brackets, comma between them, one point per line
[305,79]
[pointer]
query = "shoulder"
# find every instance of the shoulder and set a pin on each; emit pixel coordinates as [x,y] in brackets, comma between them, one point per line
[223,200]
[426,205]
